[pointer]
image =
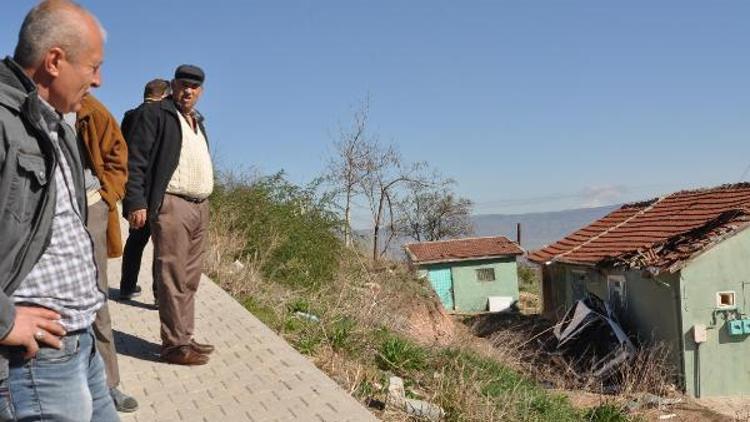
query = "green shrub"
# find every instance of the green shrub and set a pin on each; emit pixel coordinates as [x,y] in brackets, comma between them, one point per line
[289,231]
[528,281]
[398,354]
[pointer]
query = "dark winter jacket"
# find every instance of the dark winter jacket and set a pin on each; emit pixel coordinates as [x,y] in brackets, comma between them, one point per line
[154,138]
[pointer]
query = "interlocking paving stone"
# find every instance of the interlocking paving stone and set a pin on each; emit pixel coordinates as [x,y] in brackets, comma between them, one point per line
[253,375]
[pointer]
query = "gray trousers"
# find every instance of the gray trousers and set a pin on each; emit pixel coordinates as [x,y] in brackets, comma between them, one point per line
[105,341]
[179,233]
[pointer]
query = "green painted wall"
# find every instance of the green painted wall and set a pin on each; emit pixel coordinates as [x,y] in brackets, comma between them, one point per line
[470,294]
[723,359]
[650,309]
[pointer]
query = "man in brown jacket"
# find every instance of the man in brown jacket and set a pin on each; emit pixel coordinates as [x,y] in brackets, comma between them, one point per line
[106,172]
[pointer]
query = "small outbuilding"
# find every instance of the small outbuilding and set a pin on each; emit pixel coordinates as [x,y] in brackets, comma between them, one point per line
[676,271]
[469,275]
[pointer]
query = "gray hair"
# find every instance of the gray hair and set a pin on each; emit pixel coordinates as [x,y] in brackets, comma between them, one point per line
[52,23]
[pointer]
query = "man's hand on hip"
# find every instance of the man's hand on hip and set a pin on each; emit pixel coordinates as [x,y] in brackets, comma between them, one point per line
[33,326]
[137,218]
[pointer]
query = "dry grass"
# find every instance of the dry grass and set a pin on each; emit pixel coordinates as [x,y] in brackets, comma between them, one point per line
[226,261]
[378,321]
[524,342]
[649,371]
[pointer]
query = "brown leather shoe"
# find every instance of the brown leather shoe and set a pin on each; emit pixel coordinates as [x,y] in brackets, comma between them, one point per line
[184,355]
[204,349]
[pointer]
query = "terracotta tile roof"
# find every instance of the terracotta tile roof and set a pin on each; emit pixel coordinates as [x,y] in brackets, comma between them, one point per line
[657,233]
[461,249]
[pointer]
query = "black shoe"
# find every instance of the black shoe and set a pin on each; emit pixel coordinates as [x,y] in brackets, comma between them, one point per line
[131,294]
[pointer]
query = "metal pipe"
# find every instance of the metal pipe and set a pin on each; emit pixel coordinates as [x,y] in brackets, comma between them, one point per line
[697,371]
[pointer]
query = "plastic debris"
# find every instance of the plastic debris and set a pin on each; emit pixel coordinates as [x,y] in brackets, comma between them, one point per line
[307,316]
[419,408]
[236,267]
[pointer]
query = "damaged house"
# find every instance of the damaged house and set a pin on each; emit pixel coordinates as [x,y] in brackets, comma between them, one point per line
[676,270]
[474,274]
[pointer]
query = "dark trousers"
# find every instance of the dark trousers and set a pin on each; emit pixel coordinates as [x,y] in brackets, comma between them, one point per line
[131,259]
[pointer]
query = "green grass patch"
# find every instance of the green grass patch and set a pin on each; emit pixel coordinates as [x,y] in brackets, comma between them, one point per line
[299,305]
[514,395]
[308,339]
[263,312]
[606,413]
[400,355]
[342,335]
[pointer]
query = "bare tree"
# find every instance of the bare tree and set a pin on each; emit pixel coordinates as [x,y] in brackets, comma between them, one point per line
[353,148]
[432,211]
[385,174]
[362,167]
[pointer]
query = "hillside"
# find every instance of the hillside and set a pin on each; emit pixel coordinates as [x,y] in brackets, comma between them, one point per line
[364,323]
[538,229]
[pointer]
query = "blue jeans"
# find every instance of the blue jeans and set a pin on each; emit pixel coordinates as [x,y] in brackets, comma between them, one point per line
[58,385]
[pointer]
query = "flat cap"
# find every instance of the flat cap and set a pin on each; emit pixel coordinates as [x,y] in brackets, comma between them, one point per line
[190,73]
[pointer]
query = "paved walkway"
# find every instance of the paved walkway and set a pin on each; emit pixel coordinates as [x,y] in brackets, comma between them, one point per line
[737,408]
[253,375]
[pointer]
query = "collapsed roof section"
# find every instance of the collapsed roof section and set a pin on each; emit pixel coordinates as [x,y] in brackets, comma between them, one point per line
[660,235]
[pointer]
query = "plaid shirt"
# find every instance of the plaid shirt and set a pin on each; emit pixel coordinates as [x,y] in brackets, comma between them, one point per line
[64,278]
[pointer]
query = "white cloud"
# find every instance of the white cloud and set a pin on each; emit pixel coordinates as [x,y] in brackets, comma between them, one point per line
[597,196]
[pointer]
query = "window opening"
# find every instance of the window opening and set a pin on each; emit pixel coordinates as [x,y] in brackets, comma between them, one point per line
[486,274]
[725,300]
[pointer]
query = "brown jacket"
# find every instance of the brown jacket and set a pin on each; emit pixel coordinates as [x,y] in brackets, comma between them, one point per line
[108,154]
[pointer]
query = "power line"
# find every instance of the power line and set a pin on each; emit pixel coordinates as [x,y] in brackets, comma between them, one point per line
[744,173]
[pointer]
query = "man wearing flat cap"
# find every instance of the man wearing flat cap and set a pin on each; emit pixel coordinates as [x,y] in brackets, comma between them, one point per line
[170,179]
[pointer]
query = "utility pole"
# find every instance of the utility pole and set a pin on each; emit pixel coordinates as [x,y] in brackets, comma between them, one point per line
[518,233]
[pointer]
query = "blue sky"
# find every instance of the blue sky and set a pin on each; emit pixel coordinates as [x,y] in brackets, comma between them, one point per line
[529,105]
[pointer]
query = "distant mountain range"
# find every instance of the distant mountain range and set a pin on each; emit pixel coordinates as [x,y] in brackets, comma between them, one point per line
[537,229]
[540,228]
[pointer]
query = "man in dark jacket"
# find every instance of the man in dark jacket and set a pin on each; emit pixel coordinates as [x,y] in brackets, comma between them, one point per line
[155,90]
[171,177]
[48,277]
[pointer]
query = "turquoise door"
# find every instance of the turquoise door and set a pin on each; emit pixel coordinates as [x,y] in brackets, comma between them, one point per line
[442,282]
